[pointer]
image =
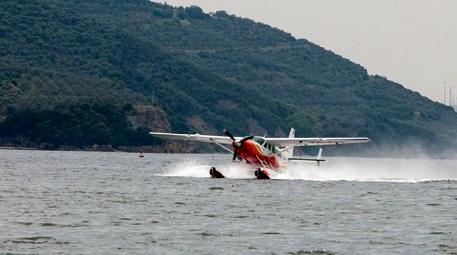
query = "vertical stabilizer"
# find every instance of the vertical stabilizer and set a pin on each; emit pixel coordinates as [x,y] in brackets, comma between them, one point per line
[289,153]
[292,133]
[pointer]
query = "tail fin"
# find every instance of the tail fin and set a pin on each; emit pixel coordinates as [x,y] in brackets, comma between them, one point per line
[292,133]
[289,153]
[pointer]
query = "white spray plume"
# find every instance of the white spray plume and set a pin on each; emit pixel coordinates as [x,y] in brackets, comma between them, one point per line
[336,169]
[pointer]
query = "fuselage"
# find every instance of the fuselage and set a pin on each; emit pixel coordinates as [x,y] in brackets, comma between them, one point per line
[258,151]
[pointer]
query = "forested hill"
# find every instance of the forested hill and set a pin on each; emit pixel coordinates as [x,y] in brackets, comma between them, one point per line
[70,72]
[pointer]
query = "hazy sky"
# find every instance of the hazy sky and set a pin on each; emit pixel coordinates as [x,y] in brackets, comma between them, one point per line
[413,42]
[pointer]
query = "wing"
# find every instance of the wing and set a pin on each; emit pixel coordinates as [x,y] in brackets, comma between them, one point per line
[318,141]
[196,137]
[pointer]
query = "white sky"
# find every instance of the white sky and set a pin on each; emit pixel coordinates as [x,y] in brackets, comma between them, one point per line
[413,42]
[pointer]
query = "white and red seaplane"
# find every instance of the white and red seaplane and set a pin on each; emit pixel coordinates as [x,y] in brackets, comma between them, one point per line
[267,156]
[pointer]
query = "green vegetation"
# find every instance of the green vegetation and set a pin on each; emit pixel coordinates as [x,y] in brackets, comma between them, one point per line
[78,126]
[68,67]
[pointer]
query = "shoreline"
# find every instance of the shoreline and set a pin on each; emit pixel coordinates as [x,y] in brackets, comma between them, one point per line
[107,148]
[18,148]
[151,150]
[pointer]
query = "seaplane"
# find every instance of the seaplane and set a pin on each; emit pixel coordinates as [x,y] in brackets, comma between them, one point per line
[268,156]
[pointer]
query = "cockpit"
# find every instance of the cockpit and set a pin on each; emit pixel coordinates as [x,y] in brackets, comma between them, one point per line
[259,140]
[262,142]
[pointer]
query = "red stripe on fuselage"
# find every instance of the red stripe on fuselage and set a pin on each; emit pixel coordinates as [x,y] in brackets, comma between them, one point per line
[251,152]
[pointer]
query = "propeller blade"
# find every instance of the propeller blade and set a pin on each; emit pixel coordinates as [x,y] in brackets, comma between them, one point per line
[227,133]
[235,153]
[236,144]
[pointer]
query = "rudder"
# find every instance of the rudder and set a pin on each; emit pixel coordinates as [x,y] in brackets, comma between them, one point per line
[289,153]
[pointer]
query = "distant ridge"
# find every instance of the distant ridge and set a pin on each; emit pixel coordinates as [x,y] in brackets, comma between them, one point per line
[70,72]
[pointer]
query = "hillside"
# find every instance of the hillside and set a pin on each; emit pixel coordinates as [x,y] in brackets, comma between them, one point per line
[67,62]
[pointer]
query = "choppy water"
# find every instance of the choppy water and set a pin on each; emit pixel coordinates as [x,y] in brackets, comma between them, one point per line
[118,203]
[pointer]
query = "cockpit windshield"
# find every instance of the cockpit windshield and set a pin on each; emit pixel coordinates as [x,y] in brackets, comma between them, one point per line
[259,140]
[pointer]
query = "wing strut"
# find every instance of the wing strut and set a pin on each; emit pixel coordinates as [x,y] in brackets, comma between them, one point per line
[223,147]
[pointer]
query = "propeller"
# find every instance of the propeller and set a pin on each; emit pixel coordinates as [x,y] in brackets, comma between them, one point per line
[227,133]
[236,144]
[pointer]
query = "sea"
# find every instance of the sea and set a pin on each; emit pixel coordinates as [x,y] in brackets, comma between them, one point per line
[62,202]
